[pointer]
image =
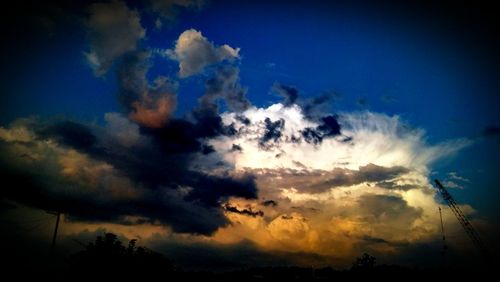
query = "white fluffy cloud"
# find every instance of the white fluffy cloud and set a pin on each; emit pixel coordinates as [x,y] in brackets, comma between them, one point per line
[194,52]
[367,138]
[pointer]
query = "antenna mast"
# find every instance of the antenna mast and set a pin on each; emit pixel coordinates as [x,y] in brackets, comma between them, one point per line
[473,235]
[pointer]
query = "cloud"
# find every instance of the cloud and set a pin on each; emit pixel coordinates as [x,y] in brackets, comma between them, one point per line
[337,198]
[224,85]
[149,104]
[332,205]
[272,132]
[454,176]
[329,127]
[387,208]
[289,94]
[374,138]
[317,106]
[91,175]
[167,10]
[451,184]
[453,180]
[345,182]
[271,203]
[153,114]
[113,30]
[319,181]
[125,132]
[248,211]
[194,52]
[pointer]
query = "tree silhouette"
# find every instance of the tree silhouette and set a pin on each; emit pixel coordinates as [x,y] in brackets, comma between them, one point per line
[108,258]
[363,263]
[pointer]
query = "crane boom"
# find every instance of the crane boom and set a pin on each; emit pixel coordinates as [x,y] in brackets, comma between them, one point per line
[473,235]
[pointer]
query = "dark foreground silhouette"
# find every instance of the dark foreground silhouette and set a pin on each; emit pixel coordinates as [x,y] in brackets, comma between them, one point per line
[108,259]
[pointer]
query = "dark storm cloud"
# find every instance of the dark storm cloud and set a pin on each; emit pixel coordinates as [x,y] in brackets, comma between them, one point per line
[236,148]
[151,175]
[207,149]
[311,136]
[368,173]
[386,208]
[318,181]
[225,85]
[269,203]
[153,165]
[131,74]
[69,132]
[243,119]
[289,93]
[204,120]
[154,181]
[374,240]
[248,211]
[113,30]
[328,127]
[315,107]
[272,132]
[394,186]
[148,104]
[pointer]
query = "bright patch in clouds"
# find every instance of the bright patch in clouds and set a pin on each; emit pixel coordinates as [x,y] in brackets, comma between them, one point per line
[364,189]
[367,138]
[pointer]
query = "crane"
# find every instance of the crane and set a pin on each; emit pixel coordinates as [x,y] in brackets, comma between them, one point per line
[473,234]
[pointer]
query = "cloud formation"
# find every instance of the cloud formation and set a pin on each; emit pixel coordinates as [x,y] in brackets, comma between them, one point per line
[371,138]
[364,187]
[85,172]
[194,52]
[113,30]
[277,199]
[225,86]
[289,94]
[149,104]
[167,10]
[291,178]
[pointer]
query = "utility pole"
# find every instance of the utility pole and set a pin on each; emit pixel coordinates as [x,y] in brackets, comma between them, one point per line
[53,246]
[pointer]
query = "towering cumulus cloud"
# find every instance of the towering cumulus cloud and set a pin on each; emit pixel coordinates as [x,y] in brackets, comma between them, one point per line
[362,187]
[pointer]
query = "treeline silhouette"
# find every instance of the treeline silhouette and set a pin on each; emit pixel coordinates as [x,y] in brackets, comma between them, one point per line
[108,258]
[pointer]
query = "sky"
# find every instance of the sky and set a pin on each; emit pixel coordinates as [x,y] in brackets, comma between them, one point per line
[227,134]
